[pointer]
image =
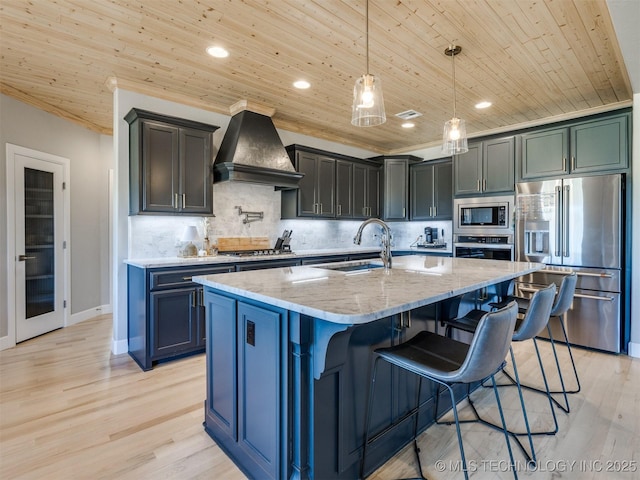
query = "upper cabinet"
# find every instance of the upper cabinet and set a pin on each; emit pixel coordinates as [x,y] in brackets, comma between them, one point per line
[366,187]
[334,186]
[599,145]
[395,186]
[344,187]
[487,168]
[431,190]
[170,163]
[317,189]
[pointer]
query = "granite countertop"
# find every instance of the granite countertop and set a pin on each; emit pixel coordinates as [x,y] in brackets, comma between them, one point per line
[222,259]
[363,296]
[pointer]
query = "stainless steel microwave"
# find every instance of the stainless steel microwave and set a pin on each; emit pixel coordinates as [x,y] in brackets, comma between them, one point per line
[484,215]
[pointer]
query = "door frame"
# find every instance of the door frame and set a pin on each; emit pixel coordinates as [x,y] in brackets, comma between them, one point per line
[11,151]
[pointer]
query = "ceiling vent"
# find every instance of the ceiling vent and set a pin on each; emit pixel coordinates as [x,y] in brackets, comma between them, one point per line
[408,114]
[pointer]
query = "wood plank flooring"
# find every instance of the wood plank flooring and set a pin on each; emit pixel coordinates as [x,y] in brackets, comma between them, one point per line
[70,409]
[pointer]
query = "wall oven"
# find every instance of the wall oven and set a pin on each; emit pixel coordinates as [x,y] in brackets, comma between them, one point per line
[483,227]
[491,247]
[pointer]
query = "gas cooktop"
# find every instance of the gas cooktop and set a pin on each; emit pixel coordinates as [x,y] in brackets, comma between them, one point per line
[265,252]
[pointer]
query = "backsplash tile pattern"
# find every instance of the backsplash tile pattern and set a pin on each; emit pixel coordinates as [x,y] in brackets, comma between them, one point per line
[152,236]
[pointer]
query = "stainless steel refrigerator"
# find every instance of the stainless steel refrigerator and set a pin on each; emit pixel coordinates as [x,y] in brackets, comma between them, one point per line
[575,224]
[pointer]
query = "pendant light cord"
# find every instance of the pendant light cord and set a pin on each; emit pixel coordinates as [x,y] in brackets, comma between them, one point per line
[453,68]
[367,33]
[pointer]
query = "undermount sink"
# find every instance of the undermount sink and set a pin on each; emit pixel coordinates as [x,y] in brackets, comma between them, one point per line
[350,266]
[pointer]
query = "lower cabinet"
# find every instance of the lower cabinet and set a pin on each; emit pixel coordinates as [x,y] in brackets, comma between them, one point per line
[244,386]
[166,317]
[175,318]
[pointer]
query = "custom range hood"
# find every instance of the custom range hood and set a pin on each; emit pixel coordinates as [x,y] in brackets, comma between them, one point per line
[252,152]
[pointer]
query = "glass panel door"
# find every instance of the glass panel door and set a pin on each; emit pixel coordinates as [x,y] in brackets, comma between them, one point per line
[39,246]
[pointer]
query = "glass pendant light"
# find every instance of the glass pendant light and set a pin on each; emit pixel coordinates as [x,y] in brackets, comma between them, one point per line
[368,104]
[454,139]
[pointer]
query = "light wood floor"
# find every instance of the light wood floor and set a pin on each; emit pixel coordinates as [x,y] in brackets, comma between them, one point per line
[69,409]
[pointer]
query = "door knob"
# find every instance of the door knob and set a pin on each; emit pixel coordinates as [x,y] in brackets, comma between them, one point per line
[22,258]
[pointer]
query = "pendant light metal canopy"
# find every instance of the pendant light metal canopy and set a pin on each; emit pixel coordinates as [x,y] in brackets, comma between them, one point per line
[368,105]
[454,138]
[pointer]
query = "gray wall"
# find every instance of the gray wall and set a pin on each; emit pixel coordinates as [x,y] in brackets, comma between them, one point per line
[91,157]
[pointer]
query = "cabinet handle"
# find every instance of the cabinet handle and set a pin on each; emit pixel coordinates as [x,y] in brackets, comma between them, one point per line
[404,214]
[431,211]
[478,185]
[187,279]
[573,163]
[184,200]
[174,204]
[435,211]
[339,210]
[201,297]
[564,163]
[484,184]
[321,210]
[194,300]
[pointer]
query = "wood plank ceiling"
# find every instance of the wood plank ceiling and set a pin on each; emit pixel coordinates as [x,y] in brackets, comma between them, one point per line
[534,59]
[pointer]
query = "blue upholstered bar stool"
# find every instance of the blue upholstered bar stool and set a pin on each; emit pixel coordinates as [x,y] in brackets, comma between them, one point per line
[448,362]
[536,318]
[563,302]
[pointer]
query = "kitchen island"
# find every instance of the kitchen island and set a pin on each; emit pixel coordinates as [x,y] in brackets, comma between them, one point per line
[289,357]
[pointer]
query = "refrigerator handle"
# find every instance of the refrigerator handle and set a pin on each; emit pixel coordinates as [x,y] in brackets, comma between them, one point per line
[565,220]
[558,220]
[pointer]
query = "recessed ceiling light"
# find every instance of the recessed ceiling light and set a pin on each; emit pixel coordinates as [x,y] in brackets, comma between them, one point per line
[217,52]
[301,84]
[408,125]
[482,105]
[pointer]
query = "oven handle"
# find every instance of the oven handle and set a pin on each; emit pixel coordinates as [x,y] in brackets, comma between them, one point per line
[490,246]
[575,295]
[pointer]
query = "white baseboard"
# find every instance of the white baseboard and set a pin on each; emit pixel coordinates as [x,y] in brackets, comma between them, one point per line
[6,342]
[88,314]
[119,346]
[633,349]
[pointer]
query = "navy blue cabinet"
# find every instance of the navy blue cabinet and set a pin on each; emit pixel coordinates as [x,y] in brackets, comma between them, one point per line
[166,315]
[245,395]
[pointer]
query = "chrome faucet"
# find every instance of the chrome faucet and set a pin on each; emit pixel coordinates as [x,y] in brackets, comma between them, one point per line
[385,254]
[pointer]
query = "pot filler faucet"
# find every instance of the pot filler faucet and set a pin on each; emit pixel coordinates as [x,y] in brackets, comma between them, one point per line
[385,254]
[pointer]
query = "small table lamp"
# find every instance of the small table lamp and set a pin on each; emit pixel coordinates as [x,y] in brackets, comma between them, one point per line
[190,234]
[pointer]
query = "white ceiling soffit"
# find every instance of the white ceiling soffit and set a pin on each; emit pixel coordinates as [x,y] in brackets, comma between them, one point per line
[625,15]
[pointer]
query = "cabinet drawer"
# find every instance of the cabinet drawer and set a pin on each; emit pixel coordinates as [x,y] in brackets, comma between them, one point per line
[173,278]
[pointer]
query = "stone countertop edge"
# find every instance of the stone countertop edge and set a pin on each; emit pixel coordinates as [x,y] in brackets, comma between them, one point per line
[320,300]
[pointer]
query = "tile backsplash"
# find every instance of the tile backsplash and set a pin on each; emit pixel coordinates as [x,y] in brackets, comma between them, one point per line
[152,236]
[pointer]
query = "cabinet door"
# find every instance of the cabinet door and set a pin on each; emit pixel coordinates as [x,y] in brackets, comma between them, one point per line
[395,189]
[422,191]
[443,191]
[195,172]
[373,192]
[259,385]
[360,180]
[599,145]
[307,164]
[326,187]
[160,167]
[173,322]
[498,165]
[544,154]
[344,195]
[468,171]
[221,362]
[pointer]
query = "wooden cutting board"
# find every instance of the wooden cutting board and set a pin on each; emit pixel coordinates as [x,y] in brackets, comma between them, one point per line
[229,244]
